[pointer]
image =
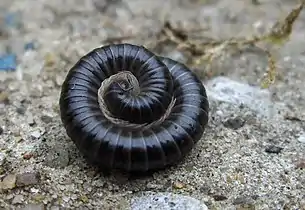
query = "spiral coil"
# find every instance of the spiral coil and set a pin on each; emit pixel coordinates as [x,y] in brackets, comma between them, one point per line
[126,108]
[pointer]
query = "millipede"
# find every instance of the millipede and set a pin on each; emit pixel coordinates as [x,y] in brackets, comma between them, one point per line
[126,108]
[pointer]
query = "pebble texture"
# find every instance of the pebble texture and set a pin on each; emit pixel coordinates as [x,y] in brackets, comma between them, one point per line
[166,201]
[224,89]
[252,153]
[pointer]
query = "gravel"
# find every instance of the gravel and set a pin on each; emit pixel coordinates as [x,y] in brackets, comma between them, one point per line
[250,157]
[166,201]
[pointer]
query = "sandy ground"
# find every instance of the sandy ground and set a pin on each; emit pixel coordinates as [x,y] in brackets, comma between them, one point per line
[244,160]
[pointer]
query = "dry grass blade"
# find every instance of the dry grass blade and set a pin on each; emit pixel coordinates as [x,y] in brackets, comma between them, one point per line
[281,30]
[280,33]
[206,52]
[271,73]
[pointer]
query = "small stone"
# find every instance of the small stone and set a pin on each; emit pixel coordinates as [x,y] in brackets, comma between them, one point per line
[9,197]
[37,91]
[46,118]
[287,58]
[246,207]
[205,189]
[4,97]
[21,110]
[27,156]
[33,207]
[178,185]
[16,131]
[50,59]
[84,199]
[9,182]
[154,186]
[2,158]
[302,138]
[26,179]
[273,149]
[241,200]
[18,199]
[89,189]
[61,187]
[234,123]
[300,164]
[220,197]
[36,134]
[29,46]
[12,87]
[18,139]
[34,190]
[30,120]
[59,80]
[166,201]
[73,197]
[58,157]
[258,24]
[219,113]
[226,90]
[38,198]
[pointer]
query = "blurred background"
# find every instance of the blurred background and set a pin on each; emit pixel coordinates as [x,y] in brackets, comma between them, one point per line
[46,37]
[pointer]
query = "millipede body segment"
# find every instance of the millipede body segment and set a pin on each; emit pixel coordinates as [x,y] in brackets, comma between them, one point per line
[127,108]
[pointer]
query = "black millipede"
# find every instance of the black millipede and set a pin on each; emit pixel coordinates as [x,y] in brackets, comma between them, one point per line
[126,108]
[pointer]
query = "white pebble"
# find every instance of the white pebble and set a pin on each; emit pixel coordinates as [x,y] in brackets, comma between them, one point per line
[66,199]
[2,157]
[258,24]
[287,58]
[219,113]
[18,199]
[234,92]
[36,134]
[302,138]
[34,190]
[166,201]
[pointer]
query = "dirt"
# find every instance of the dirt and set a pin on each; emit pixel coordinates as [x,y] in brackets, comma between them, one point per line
[244,160]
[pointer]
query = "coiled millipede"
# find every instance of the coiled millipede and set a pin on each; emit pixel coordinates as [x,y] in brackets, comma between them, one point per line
[126,108]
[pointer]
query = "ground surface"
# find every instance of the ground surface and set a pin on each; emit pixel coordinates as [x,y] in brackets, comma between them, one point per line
[250,157]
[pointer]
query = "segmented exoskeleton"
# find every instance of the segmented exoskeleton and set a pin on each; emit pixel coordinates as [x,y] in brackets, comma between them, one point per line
[146,117]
